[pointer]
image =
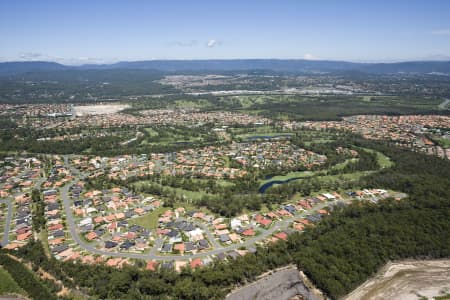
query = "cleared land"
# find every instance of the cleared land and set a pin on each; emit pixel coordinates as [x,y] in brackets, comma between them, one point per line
[282,284]
[405,280]
[101,109]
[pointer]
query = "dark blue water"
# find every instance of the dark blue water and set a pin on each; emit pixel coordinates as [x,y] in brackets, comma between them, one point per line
[267,185]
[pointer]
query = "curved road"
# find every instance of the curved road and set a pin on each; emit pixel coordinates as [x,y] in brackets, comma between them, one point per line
[283,224]
[5,239]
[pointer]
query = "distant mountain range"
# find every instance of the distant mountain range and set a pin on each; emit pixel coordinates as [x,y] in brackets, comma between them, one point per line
[277,65]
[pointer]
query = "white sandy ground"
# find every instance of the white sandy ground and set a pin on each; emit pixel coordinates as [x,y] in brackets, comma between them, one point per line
[100,109]
[406,280]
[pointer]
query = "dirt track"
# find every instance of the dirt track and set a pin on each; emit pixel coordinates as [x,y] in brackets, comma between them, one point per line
[406,280]
[281,284]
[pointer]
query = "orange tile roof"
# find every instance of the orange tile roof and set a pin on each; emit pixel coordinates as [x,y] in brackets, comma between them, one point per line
[281,235]
[195,263]
[91,235]
[24,236]
[151,265]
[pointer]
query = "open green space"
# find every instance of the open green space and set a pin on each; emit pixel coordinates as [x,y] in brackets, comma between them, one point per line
[383,160]
[290,175]
[149,220]
[182,193]
[306,174]
[263,129]
[322,107]
[43,236]
[318,141]
[219,182]
[445,143]
[185,103]
[151,132]
[8,285]
[172,135]
[266,134]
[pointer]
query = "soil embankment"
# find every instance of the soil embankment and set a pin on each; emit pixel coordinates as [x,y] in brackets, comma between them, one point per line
[281,284]
[406,280]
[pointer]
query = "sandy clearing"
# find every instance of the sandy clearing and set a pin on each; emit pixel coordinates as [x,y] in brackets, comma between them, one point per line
[281,284]
[99,109]
[406,280]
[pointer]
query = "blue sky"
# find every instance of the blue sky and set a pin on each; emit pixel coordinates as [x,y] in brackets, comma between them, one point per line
[82,31]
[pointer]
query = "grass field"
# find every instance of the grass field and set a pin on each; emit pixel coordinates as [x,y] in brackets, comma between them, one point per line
[219,182]
[268,134]
[185,194]
[305,174]
[8,285]
[443,142]
[149,220]
[383,161]
[151,131]
[302,174]
[258,130]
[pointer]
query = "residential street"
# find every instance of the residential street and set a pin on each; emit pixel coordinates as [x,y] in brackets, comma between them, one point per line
[217,248]
[5,239]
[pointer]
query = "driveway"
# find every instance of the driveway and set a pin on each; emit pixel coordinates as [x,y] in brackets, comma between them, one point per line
[152,255]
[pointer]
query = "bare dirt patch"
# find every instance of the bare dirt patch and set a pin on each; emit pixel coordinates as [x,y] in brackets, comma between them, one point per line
[406,280]
[100,109]
[281,284]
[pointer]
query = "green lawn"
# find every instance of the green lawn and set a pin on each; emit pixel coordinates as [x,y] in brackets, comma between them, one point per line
[201,103]
[443,142]
[149,220]
[220,182]
[383,160]
[270,134]
[305,174]
[342,165]
[151,131]
[318,141]
[257,130]
[180,192]
[8,285]
[302,174]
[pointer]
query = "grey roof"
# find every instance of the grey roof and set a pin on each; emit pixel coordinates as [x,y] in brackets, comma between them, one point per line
[127,245]
[167,265]
[203,244]
[60,248]
[224,238]
[167,248]
[58,233]
[110,244]
[233,254]
[189,246]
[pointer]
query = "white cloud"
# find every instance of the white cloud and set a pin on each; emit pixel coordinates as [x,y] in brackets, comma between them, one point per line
[309,56]
[31,55]
[441,32]
[212,43]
